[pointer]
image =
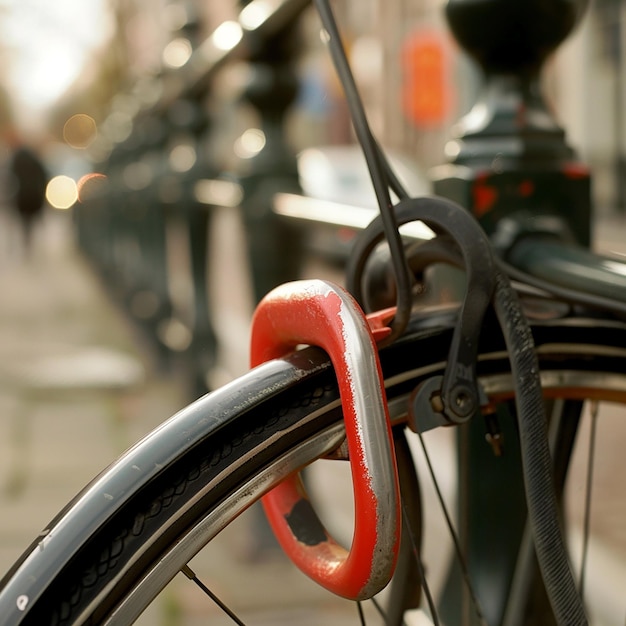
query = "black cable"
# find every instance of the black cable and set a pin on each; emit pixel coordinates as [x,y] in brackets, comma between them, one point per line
[543,512]
[379,169]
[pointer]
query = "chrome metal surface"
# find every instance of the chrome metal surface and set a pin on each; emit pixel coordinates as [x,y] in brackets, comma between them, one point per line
[183,551]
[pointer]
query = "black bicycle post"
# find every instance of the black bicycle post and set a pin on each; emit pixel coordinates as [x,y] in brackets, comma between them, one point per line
[274,246]
[512,160]
[190,124]
[511,155]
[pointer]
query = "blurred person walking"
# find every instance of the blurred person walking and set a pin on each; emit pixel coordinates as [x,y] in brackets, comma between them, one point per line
[26,189]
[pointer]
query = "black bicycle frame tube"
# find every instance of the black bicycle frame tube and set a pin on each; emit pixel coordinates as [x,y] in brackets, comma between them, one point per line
[570,266]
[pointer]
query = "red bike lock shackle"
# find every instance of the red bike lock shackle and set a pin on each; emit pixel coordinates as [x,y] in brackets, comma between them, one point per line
[318,313]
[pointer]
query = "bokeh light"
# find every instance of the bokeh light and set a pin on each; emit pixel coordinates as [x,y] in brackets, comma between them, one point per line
[62,192]
[90,185]
[182,157]
[117,126]
[227,35]
[137,175]
[80,131]
[218,192]
[254,14]
[177,52]
[250,143]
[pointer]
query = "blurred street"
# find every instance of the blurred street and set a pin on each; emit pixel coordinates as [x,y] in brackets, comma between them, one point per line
[78,385]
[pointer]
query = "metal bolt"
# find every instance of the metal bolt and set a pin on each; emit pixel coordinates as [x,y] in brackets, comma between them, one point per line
[464,402]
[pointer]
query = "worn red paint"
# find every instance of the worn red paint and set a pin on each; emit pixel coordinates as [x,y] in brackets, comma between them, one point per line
[526,188]
[484,196]
[302,313]
[575,171]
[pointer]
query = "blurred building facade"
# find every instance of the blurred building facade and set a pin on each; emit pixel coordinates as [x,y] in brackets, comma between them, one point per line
[414,80]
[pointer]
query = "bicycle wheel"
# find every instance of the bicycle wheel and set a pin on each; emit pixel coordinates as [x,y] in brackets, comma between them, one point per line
[111,551]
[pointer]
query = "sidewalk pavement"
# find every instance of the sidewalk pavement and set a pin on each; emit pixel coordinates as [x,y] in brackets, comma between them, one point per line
[77,387]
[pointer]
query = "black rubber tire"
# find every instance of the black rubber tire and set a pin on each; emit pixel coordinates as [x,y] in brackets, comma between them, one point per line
[249,436]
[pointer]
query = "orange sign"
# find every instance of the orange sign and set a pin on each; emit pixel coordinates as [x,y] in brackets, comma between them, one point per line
[426,85]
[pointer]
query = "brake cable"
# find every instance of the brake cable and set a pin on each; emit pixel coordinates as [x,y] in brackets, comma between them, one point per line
[383,178]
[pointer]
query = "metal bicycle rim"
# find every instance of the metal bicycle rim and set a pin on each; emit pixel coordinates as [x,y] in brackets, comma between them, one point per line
[557,383]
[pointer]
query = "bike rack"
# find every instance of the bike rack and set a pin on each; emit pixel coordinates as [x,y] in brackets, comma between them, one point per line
[318,313]
[146,204]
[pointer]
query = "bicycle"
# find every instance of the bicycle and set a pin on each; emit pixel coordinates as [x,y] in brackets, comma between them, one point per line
[136,526]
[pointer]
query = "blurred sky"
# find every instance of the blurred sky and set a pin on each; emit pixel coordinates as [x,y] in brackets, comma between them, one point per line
[44,45]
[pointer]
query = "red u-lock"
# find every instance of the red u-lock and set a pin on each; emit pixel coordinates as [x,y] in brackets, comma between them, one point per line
[321,314]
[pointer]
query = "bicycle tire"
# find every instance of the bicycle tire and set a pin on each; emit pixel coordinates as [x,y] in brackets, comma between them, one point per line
[118,543]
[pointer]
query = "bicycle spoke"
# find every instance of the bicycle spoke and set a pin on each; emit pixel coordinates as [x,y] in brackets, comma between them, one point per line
[455,538]
[187,571]
[359,608]
[422,572]
[588,487]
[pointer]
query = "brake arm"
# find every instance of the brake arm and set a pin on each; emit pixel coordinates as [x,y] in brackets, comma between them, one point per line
[454,398]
